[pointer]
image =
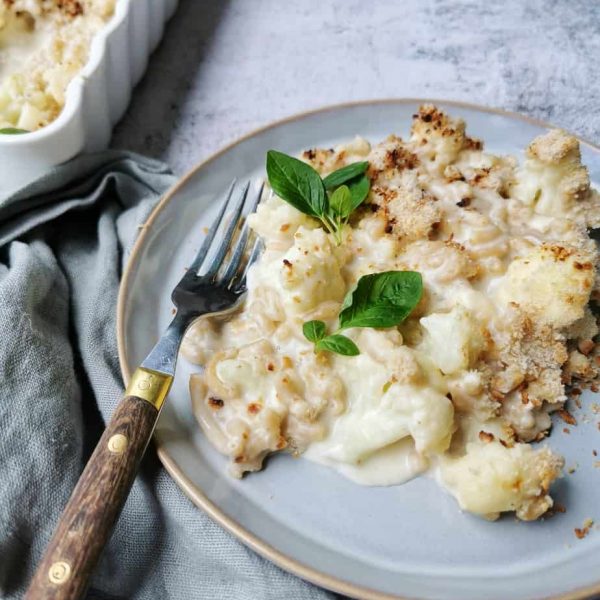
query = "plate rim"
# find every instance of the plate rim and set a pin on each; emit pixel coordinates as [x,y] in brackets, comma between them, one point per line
[191,490]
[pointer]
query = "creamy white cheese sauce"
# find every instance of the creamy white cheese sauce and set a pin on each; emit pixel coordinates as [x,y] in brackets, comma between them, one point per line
[392,465]
[448,390]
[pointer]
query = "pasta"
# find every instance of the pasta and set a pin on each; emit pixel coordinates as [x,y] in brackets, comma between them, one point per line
[471,377]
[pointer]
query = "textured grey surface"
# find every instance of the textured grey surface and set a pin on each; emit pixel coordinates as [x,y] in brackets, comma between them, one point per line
[227,67]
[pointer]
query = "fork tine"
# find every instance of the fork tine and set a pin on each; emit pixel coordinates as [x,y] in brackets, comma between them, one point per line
[242,242]
[217,261]
[239,283]
[210,236]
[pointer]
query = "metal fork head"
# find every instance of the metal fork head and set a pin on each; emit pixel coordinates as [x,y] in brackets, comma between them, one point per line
[216,279]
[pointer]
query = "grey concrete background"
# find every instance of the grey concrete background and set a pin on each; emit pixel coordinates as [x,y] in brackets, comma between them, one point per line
[226,67]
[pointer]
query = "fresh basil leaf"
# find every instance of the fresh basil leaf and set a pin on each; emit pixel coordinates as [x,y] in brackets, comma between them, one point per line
[339,344]
[382,299]
[13,131]
[297,183]
[359,190]
[345,174]
[347,301]
[340,202]
[314,330]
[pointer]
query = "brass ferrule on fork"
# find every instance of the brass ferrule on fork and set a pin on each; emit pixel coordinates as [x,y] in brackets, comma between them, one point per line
[149,385]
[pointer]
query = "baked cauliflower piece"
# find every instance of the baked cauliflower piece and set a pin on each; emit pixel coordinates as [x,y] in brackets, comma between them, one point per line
[552,284]
[389,405]
[310,272]
[492,478]
[554,182]
[452,340]
[410,212]
[276,223]
[439,138]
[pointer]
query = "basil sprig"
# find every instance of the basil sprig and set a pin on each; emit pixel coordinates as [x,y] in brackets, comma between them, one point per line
[340,344]
[12,131]
[344,174]
[382,299]
[316,332]
[297,183]
[340,202]
[331,200]
[379,300]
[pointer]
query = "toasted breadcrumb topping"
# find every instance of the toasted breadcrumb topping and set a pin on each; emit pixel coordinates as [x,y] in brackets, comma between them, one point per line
[503,335]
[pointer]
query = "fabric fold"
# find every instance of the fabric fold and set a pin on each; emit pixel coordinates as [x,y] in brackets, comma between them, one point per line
[63,242]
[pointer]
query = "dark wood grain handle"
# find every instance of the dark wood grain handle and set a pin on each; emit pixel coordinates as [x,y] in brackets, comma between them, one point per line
[95,504]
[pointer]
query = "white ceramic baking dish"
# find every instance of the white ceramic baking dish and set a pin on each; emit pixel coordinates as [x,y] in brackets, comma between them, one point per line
[95,99]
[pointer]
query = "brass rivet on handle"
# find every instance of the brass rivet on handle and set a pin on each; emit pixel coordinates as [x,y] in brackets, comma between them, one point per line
[117,443]
[59,572]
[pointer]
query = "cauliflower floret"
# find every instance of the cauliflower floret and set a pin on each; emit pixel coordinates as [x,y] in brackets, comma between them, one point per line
[276,222]
[398,399]
[438,139]
[411,212]
[491,478]
[403,410]
[554,181]
[527,373]
[552,283]
[310,272]
[453,340]
[388,160]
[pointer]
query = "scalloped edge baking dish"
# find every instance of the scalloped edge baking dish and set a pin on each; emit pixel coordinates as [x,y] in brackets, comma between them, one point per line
[95,99]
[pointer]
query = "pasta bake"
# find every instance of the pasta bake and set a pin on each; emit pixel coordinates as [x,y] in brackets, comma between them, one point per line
[463,385]
[43,45]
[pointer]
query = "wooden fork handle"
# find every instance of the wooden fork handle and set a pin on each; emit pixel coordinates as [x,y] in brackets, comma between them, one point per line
[96,502]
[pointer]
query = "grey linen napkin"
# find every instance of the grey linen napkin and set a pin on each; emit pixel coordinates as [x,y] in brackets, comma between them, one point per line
[63,240]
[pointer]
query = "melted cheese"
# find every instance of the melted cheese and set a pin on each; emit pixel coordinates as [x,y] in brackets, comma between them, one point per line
[463,383]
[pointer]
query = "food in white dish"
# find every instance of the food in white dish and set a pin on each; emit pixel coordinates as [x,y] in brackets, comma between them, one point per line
[44,44]
[463,383]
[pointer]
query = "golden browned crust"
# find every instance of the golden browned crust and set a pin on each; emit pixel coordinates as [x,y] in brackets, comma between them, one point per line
[554,147]
[431,119]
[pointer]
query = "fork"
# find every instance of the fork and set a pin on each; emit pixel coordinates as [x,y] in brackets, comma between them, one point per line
[213,283]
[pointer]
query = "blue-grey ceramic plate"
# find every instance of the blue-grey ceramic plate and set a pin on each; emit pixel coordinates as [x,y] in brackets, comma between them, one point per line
[410,541]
